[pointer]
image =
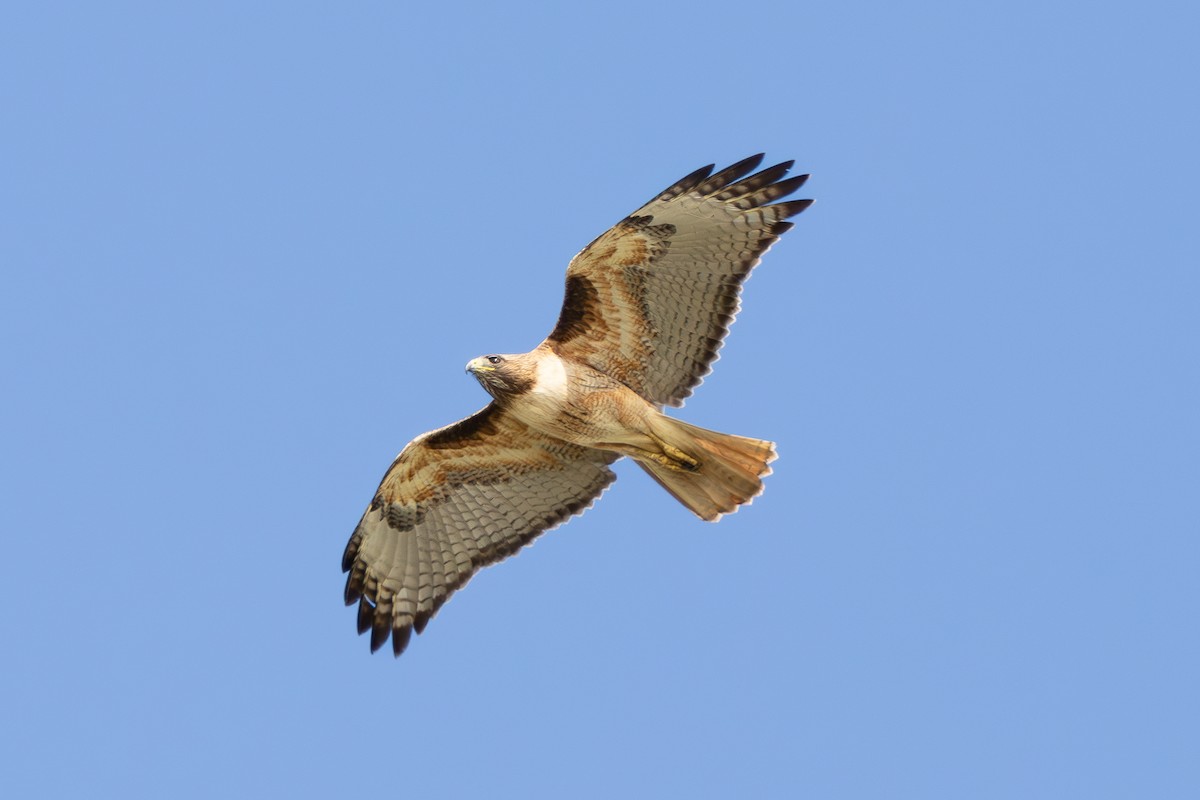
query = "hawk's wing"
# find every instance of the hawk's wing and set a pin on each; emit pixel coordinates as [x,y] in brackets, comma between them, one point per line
[455,500]
[649,302]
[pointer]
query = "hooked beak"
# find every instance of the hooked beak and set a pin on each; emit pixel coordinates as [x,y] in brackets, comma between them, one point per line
[479,365]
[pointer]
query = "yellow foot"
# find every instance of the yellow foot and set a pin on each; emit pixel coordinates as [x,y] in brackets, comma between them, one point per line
[676,458]
[671,458]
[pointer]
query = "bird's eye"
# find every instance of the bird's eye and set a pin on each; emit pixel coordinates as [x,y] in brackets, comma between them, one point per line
[494,359]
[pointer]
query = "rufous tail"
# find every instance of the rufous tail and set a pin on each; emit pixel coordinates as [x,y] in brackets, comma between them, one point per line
[727,470]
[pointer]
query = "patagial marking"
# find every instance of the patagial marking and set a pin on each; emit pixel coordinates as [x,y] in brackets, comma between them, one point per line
[580,300]
[645,308]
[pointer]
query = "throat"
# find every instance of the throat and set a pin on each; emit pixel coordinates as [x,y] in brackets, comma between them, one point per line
[551,380]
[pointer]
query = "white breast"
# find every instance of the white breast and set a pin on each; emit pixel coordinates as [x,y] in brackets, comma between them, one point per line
[551,379]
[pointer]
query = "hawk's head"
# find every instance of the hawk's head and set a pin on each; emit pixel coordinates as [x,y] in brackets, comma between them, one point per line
[502,376]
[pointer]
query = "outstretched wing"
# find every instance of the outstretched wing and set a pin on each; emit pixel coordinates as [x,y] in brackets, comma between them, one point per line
[454,501]
[649,302]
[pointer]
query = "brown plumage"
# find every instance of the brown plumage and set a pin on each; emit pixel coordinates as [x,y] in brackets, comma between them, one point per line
[646,308]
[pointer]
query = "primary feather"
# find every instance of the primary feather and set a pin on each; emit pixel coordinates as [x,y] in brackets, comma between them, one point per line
[646,308]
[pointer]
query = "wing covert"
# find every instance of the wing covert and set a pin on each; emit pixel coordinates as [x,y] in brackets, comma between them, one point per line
[650,301]
[454,501]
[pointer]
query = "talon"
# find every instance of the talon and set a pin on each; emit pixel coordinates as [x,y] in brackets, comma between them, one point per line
[671,458]
[664,461]
[681,460]
[690,464]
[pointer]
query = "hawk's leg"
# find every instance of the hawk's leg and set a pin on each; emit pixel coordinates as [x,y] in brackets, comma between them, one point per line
[667,456]
[680,459]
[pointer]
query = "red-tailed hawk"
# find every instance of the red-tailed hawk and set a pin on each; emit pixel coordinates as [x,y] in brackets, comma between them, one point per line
[647,305]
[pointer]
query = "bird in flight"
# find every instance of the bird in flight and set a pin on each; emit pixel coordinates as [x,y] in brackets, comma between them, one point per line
[646,308]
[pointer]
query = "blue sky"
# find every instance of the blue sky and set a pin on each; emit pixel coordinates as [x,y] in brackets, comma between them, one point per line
[247,250]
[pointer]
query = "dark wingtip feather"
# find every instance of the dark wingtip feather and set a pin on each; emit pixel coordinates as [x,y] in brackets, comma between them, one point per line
[380,629]
[686,183]
[352,592]
[351,551]
[366,613]
[400,638]
[792,207]
[730,174]
[761,188]
[784,188]
[770,174]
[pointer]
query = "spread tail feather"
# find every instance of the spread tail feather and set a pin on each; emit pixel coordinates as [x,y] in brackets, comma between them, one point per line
[730,470]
